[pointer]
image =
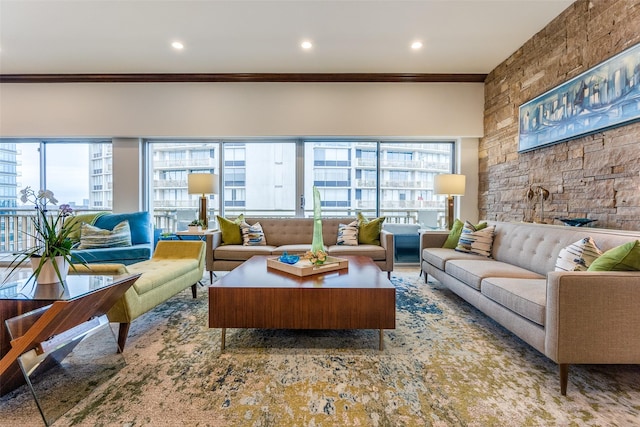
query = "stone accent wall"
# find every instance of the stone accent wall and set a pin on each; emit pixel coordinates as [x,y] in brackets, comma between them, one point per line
[596,176]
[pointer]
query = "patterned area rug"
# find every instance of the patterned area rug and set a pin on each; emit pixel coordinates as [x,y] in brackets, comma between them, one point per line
[445,364]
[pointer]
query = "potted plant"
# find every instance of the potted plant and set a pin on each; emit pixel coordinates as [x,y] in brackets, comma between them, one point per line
[51,255]
[196,225]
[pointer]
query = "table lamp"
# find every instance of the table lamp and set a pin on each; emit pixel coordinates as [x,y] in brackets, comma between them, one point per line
[449,185]
[202,183]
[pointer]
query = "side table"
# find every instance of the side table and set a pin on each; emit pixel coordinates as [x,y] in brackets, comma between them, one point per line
[200,234]
[44,323]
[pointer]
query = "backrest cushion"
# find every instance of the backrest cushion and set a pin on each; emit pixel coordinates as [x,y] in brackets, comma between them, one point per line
[289,231]
[230,228]
[369,229]
[578,256]
[536,246]
[139,223]
[476,241]
[252,235]
[348,234]
[622,258]
[92,237]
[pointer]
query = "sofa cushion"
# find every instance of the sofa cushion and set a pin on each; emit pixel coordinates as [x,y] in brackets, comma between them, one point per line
[578,256]
[525,297]
[92,237]
[438,257]
[75,222]
[294,249]
[476,241]
[376,253]
[369,230]
[139,224]
[625,257]
[157,273]
[241,252]
[252,235]
[348,234]
[123,255]
[472,271]
[456,231]
[231,233]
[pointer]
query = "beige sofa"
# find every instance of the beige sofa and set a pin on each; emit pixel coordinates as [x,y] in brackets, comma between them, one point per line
[294,236]
[571,317]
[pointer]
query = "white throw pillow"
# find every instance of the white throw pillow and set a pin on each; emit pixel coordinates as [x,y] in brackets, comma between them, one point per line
[252,235]
[348,234]
[474,241]
[578,256]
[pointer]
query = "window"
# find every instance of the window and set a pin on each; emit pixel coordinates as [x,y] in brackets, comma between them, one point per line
[71,169]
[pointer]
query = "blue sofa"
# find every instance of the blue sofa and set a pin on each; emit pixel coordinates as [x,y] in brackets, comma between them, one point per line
[141,240]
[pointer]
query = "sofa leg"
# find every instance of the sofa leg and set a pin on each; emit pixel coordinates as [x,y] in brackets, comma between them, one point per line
[389,275]
[564,378]
[194,290]
[123,332]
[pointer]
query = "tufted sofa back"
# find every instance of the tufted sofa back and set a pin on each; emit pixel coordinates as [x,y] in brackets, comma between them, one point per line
[536,246]
[288,231]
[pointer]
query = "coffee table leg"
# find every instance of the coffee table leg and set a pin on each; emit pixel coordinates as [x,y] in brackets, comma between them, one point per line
[224,334]
[381,339]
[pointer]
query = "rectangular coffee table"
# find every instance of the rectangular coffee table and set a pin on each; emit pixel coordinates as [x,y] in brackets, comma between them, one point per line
[255,296]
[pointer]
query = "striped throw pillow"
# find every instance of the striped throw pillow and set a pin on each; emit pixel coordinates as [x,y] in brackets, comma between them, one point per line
[92,237]
[578,256]
[252,235]
[348,234]
[474,241]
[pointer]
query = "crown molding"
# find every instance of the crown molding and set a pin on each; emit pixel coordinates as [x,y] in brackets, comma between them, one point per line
[244,78]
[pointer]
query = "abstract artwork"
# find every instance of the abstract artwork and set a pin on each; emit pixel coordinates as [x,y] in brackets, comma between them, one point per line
[605,96]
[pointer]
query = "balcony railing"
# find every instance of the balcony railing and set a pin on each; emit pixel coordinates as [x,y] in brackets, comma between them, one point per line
[17,226]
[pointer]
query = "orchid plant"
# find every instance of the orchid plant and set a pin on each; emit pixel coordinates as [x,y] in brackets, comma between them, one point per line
[50,232]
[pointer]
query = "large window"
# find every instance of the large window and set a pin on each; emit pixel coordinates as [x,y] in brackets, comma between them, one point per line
[389,178]
[268,178]
[78,172]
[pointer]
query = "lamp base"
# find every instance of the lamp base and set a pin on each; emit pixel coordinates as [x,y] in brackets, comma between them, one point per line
[202,214]
[450,212]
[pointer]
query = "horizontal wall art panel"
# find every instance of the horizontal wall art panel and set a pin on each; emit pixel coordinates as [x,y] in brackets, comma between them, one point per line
[605,96]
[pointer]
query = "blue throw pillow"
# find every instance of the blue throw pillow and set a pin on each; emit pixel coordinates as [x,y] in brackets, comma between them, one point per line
[139,223]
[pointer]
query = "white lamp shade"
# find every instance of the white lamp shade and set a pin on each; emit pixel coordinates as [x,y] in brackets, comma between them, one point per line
[202,183]
[449,184]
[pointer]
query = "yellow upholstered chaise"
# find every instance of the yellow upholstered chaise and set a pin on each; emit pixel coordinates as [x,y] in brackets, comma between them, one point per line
[174,266]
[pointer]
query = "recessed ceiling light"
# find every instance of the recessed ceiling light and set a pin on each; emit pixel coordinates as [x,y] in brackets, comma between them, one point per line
[306,44]
[177,45]
[416,45]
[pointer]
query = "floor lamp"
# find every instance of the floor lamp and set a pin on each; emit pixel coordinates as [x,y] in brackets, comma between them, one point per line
[449,185]
[202,183]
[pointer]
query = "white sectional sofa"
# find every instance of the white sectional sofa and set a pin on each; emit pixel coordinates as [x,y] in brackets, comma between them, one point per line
[577,317]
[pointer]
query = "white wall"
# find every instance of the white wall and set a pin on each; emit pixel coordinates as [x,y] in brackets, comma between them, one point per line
[140,110]
[241,109]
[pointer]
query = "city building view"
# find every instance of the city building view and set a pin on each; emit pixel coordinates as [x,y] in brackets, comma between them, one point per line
[257,178]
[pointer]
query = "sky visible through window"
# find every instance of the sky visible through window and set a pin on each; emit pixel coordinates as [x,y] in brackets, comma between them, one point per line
[67,171]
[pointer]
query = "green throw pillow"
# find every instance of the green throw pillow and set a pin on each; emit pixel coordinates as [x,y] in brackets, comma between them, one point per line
[369,230]
[231,234]
[456,231]
[622,258]
[75,222]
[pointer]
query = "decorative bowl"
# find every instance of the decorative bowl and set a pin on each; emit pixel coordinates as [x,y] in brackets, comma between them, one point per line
[576,222]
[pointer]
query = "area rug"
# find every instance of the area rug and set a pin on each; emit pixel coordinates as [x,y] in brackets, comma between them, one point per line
[445,364]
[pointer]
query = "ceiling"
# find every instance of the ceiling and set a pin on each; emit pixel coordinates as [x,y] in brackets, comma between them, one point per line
[241,36]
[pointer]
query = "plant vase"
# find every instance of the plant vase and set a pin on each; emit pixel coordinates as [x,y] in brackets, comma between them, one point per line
[47,273]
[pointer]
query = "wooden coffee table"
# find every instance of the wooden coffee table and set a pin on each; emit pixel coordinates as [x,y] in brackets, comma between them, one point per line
[255,296]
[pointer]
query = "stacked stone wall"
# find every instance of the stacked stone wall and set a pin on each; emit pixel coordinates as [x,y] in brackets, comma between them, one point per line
[595,176]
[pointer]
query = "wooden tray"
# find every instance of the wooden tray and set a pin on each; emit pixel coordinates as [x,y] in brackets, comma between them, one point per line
[305,268]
